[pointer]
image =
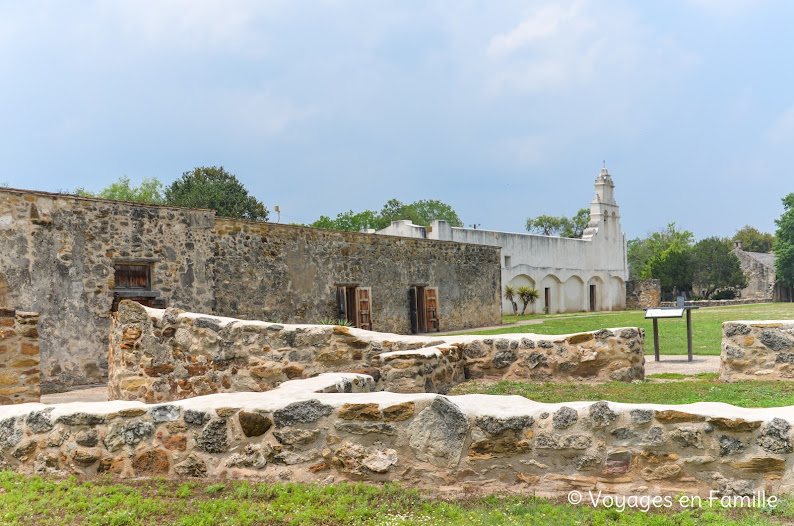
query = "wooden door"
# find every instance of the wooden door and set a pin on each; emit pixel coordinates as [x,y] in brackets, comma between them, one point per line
[341,303]
[431,308]
[364,308]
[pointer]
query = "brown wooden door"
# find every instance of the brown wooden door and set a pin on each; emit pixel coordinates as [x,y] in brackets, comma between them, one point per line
[364,308]
[431,308]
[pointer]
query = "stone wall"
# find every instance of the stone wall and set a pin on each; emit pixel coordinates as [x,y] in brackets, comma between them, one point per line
[330,429]
[19,357]
[294,271]
[715,303]
[57,257]
[757,350]
[59,253]
[643,293]
[759,268]
[162,355]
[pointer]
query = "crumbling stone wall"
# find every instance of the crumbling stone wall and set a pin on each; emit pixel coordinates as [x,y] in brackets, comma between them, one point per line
[757,350]
[58,255]
[330,428]
[160,355]
[288,274]
[643,293]
[19,357]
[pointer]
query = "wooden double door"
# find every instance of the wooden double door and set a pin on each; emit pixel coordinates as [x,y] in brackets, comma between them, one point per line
[423,307]
[355,305]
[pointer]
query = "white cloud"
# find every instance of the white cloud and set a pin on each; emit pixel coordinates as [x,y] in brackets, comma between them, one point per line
[543,23]
[580,45]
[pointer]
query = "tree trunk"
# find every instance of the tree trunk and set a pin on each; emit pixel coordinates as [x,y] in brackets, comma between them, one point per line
[515,308]
[524,309]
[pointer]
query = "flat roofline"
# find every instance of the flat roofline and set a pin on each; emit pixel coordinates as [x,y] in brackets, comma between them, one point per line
[56,195]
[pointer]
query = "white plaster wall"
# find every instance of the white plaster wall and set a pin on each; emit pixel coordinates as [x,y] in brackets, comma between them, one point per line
[548,261]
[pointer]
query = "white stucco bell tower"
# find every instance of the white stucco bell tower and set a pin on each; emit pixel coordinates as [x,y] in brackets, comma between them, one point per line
[604,211]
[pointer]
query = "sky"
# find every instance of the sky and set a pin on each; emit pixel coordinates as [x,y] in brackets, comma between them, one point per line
[503,109]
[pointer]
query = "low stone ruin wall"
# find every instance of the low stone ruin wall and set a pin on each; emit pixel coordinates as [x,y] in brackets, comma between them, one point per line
[716,303]
[19,357]
[757,350]
[164,355]
[643,293]
[329,429]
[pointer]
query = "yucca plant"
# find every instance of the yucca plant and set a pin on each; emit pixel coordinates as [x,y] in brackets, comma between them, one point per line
[510,295]
[528,296]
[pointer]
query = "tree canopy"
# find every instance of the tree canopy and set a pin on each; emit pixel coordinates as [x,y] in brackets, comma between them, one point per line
[670,256]
[216,189]
[784,243]
[564,226]
[149,191]
[753,240]
[419,213]
[715,266]
[641,251]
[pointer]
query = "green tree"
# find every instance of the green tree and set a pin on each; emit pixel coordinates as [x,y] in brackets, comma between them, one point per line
[641,251]
[149,191]
[216,189]
[546,225]
[784,243]
[673,268]
[753,240]
[349,221]
[576,225]
[564,226]
[528,296]
[418,212]
[715,266]
[510,295]
[423,211]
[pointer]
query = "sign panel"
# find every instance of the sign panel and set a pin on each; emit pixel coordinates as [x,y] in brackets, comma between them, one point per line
[670,312]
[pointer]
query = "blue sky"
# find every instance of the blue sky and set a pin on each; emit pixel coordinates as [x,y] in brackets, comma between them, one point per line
[504,109]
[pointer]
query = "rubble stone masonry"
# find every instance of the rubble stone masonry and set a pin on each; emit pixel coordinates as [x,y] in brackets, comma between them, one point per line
[757,350]
[59,255]
[19,357]
[164,355]
[332,428]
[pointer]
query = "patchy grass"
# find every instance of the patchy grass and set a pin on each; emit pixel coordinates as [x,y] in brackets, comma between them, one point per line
[34,500]
[742,394]
[706,325]
[679,376]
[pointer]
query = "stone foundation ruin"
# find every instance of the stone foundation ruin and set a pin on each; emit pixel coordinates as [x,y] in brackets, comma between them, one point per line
[341,426]
[164,355]
[19,357]
[757,350]
[332,427]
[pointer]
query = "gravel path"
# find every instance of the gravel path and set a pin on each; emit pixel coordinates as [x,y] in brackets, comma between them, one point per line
[678,364]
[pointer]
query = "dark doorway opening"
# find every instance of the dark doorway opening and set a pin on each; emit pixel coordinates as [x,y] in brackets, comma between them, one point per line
[592,298]
[423,308]
[547,299]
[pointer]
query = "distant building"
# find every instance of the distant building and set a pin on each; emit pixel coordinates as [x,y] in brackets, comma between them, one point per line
[571,275]
[759,267]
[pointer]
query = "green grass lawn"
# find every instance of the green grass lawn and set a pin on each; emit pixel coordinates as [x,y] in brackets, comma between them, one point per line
[701,388]
[706,325]
[26,501]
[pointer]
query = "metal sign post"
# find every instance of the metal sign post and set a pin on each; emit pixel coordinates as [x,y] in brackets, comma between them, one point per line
[670,312]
